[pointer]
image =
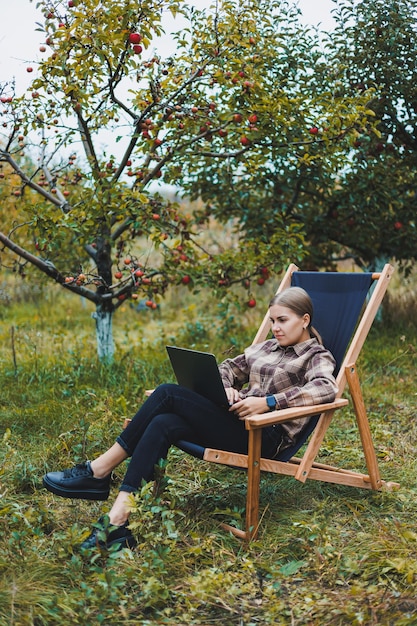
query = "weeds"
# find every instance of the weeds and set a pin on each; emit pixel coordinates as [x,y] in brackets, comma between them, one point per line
[326,554]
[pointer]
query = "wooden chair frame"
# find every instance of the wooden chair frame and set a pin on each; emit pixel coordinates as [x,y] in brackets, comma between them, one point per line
[306,467]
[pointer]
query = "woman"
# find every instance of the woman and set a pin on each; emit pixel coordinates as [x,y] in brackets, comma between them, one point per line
[291,369]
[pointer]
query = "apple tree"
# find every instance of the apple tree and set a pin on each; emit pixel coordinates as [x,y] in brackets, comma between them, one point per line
[352,186]
[300,144]
[372,211]
[108,121]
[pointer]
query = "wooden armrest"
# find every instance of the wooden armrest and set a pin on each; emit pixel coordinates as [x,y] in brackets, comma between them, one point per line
[293,413]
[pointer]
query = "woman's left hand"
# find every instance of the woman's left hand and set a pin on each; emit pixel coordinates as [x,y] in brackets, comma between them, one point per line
[249,406]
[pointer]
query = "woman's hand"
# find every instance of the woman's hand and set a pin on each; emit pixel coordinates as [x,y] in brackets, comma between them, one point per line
[232,395]
[249,406]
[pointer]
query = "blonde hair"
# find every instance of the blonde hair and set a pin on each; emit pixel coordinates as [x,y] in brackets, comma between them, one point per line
[298,300]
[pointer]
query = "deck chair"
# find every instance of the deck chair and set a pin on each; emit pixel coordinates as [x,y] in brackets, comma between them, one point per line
[345,305]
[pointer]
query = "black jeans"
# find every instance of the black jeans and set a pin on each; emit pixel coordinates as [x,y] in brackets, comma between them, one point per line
[173,413]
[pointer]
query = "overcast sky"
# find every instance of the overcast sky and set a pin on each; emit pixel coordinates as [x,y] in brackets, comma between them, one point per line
[19,41]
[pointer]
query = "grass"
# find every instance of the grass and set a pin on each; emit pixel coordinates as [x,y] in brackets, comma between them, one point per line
[325,554]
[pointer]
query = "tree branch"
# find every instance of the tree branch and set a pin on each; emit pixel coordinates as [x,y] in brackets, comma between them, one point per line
[49,269]
[57,201]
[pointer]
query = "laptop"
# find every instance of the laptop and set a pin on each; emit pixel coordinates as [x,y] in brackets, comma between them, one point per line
[198,371]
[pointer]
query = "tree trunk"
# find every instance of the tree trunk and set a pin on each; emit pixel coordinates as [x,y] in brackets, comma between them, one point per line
[104,334]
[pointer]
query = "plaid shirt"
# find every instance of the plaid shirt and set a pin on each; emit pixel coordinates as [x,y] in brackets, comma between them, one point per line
[298,375]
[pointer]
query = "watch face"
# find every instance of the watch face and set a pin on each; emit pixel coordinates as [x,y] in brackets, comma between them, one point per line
[271,402]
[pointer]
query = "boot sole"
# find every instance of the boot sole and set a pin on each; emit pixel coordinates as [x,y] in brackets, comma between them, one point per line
[86,494]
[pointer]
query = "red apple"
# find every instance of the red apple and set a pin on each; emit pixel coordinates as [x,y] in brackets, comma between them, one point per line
[29,69]
[253,118]
[252,303]
[135,38]
[314,130]
[137,49]
[237,117]
[244,140]
[118,275]
[398,225]
[185,280]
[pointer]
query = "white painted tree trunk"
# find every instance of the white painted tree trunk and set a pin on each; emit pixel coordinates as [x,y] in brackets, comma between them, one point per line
[104,334]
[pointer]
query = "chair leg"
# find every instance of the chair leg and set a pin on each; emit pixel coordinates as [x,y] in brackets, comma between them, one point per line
[253,489]
[363,425]
[254,477]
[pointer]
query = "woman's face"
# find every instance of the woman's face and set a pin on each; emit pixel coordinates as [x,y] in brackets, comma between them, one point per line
[287,327]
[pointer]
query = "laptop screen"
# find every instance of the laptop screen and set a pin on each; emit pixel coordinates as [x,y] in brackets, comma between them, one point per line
[198,371]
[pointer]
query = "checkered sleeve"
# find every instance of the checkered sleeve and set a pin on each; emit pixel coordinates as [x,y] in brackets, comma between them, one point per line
[318,385]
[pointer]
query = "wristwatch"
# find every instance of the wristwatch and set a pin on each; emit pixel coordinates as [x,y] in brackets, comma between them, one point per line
[271,402]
